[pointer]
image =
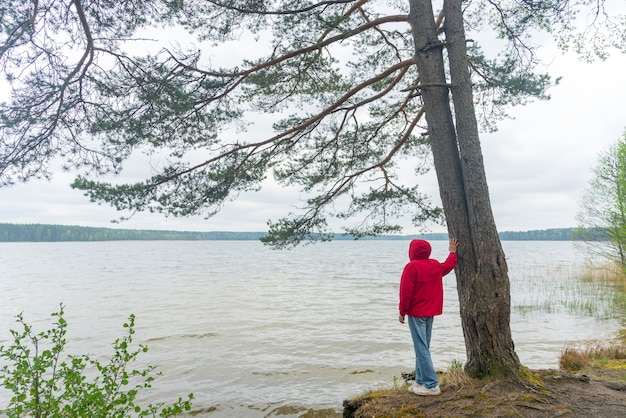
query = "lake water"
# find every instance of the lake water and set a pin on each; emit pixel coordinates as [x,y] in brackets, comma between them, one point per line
[251,331]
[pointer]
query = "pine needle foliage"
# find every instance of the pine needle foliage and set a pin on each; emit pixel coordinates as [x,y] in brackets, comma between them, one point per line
[219,97]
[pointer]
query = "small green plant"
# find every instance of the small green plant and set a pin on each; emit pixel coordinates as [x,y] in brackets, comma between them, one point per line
[44,385]
[456,364]
[395,382]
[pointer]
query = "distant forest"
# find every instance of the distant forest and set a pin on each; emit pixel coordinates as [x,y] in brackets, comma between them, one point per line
[59,233]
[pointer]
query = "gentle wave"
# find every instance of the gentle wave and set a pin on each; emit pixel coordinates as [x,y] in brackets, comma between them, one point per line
[251,330]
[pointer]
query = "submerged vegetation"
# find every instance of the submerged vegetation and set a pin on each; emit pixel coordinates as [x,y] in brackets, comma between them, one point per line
[596,290]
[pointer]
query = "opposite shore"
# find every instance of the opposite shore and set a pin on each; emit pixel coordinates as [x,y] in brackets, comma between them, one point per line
[63,233]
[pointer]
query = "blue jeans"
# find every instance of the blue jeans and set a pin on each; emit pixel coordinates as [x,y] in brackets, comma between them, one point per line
[421,330]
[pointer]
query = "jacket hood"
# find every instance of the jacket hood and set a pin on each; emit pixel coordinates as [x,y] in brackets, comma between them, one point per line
[419,249]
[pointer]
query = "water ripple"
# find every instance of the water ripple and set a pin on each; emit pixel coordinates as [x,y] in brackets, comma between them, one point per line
[249,329]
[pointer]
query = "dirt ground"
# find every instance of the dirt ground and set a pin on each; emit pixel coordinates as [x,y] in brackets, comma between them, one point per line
[552,394]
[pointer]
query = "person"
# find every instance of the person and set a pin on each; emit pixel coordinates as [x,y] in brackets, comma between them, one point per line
[421,298]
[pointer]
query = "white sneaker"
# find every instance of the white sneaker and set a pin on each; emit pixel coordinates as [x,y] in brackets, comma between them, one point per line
[415,386]
[424,391]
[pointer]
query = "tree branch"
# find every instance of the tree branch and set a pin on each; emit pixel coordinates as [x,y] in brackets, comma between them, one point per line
[302,126]
[20,30]
[302,51]
[352,9]
[280,12]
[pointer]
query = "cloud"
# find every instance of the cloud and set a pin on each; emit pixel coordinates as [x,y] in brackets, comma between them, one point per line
[537,165]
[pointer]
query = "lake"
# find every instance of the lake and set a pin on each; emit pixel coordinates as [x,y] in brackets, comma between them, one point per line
[251,331]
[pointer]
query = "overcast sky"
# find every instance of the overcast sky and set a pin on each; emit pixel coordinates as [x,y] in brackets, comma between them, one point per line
[537,165]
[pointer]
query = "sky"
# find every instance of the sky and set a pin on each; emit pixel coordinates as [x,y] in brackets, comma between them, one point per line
[538,164]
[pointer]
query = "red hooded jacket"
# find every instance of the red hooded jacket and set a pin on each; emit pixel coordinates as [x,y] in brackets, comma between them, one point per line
[421,285]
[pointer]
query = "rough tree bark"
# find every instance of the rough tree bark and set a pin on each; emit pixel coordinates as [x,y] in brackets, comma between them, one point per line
[482,277]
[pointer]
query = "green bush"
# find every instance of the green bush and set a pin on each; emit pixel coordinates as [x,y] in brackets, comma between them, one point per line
[46,386]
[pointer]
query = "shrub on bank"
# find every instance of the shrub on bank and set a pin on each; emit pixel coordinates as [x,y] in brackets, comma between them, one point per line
[45,385]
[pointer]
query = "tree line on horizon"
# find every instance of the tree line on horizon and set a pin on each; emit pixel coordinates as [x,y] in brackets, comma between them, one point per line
[63,233]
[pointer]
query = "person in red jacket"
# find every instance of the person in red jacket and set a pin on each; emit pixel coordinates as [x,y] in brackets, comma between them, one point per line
[421,298]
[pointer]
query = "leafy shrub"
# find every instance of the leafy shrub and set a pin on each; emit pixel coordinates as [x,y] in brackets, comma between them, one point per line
[46,386]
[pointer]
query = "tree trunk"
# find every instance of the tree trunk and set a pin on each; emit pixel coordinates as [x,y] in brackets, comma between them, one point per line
[482,279]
